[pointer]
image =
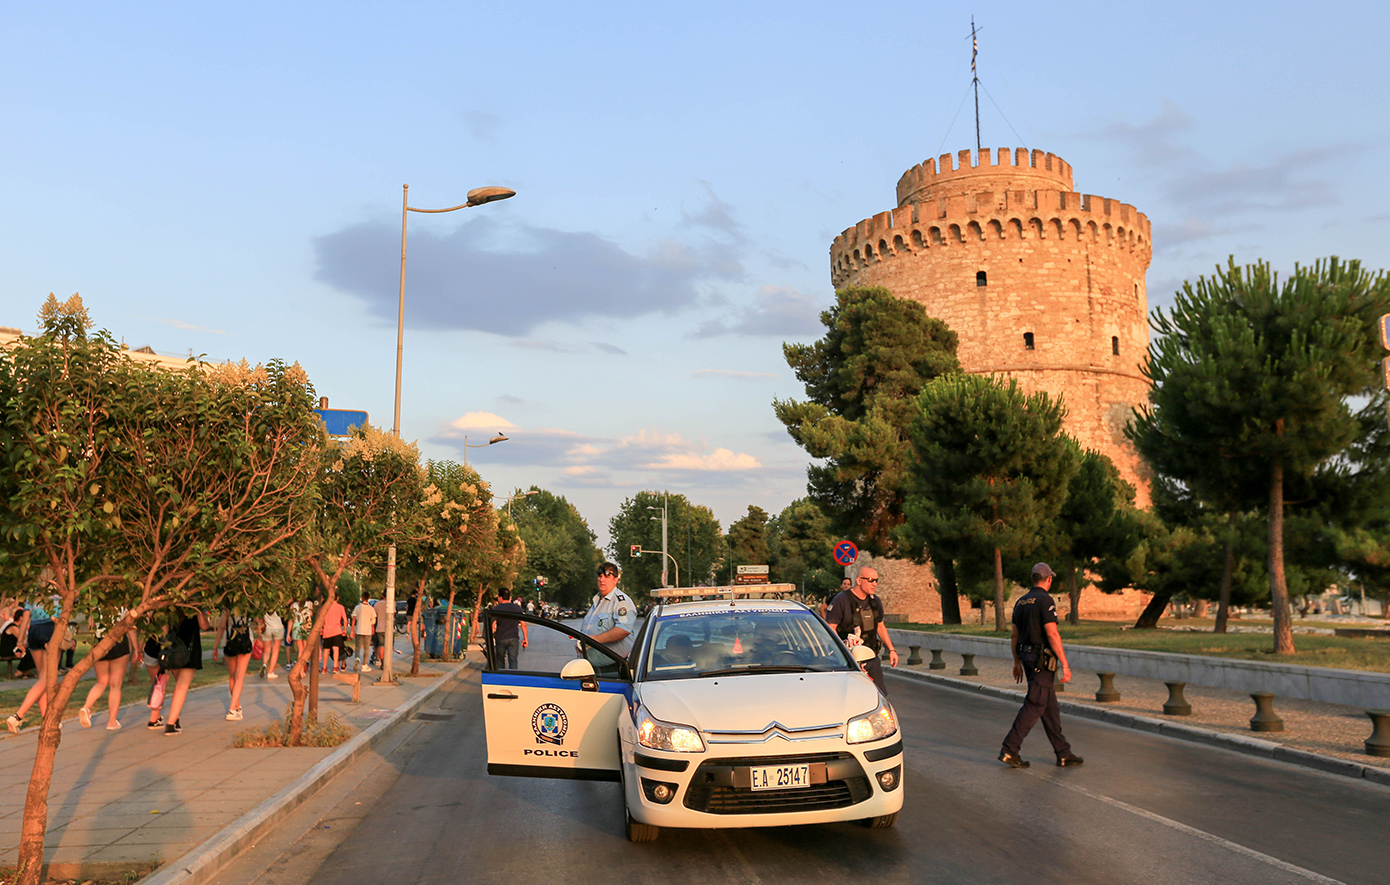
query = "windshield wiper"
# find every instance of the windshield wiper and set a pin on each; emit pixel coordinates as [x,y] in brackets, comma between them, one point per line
[759,668]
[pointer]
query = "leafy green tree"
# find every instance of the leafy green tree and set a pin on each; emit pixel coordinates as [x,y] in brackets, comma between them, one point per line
[129,487]
[559,546]
[693,536]
[861,380]
[990,469]
[1097,527]
[1252,376]
[748,538]
[800,550]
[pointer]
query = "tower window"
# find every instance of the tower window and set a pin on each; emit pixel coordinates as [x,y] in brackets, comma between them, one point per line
[1028,340]
[1115,345]
[981,279]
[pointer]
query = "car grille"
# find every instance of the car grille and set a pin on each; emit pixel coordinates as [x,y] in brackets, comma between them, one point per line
[711,789]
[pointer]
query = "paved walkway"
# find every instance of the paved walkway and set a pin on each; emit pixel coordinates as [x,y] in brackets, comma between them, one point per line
[135,796]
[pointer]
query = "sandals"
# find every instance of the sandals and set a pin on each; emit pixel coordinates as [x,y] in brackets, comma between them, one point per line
[85,717]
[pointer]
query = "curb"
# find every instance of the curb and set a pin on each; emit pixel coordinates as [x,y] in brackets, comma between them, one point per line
[202,863]
[1238,743]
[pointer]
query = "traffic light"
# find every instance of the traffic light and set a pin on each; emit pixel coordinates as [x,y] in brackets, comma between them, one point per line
[635,550]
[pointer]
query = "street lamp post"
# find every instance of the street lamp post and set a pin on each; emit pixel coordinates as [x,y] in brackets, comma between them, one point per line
[476,197]
[501,437]
[518,498]
[664,555]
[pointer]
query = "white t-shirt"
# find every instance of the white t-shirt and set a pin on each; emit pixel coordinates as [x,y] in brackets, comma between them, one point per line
[363,619]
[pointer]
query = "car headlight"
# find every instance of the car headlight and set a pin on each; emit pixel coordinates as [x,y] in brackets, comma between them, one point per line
[873,726]
[658,735]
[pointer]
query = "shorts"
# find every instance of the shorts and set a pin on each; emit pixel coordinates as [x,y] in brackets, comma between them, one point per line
[119,650]
[274,634]
[40,632]
[333,642]
[152,661]
[378,640]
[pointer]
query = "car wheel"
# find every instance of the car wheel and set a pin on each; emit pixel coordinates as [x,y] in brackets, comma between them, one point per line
[635,832]
[882,822]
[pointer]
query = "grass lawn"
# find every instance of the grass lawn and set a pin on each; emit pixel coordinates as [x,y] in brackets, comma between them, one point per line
[1312,650]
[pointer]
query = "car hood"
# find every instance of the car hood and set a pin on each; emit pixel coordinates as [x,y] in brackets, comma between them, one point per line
[752,703]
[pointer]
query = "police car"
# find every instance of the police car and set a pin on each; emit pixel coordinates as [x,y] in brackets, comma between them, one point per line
[737,709]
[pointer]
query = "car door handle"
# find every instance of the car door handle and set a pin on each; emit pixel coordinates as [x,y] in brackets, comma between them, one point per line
[495,696]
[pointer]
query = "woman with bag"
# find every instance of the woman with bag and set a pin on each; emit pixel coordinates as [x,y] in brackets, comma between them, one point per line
[110,670]
[180,656]
[237,629]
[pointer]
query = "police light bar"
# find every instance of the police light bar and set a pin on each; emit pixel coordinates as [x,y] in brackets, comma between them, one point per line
[745,591]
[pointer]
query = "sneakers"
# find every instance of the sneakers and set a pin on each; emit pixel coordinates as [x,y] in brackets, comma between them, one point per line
[1069,761]
[173,728]
[366,668]
[113,725]
[272,675]
[1013,760]
[85,717]
[234,715]
[14,723]
[157,723]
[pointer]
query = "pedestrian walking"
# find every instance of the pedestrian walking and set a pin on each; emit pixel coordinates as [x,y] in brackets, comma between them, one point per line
[856,615]
[237,628]
[334,629]
[363,626]
[272,635]
[11,646]
[1038,654]
[384,622]
[299,631]
[508,634]
[36,626]
[110,671]
[181,657]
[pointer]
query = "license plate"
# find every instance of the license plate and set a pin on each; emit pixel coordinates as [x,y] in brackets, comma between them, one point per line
[781,777]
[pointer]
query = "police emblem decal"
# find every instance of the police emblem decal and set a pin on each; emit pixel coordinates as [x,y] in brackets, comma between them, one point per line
[549,723]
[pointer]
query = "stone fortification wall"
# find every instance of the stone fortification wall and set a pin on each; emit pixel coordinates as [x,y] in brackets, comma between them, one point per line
[1042,284]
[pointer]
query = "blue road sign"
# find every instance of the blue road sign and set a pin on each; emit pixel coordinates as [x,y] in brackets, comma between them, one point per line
[846,553]
[339,421]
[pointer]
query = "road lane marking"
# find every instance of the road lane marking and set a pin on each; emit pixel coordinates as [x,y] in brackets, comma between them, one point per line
[1203,835]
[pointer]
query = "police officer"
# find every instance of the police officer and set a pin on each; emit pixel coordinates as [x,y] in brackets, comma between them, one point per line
[1038,652]
[612,617]
[859,608]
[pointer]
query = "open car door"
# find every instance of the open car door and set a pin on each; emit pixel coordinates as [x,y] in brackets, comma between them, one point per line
[556,715]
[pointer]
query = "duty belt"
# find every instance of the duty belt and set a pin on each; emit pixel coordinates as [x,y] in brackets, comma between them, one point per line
[1027,649]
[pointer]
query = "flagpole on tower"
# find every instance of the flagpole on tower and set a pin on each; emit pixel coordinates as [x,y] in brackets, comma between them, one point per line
[974,50]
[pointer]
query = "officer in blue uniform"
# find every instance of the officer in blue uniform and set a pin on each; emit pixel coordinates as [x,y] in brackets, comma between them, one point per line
[612,617]
[1034,633]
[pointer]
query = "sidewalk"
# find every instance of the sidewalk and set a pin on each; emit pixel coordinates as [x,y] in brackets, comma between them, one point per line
[132,797]
[1335,734]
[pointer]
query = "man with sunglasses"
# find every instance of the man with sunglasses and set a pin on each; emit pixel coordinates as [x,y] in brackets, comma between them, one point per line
[857,616]
[612,617]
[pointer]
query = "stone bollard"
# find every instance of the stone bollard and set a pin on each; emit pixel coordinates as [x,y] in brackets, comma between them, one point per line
[1176,705]
[937,661]
[1378,744]
[967,665]
[1107,694]
[1265,719]
[914,654]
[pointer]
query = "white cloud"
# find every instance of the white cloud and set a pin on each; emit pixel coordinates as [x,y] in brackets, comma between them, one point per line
[480,420]
[720,460]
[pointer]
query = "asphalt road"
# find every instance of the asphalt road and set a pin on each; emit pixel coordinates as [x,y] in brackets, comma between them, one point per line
[1142,809]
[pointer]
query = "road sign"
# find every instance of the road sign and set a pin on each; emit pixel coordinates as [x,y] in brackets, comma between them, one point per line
[340,421]
[846,553]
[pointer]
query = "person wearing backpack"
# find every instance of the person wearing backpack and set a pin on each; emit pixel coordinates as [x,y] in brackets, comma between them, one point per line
[180,656]
[1038,654]
[856,615]
[237,628]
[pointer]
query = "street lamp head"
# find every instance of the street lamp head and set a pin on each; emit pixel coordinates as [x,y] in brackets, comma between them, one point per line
[497,439]
[480,195]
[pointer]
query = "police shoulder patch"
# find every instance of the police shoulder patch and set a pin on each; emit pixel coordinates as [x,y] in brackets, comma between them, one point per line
[622,611]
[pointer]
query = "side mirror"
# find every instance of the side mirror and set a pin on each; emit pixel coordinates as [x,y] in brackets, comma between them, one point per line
[579,668]
[862,654]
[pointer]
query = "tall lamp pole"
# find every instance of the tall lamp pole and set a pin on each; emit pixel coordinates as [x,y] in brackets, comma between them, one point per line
[664,555]
[476,197]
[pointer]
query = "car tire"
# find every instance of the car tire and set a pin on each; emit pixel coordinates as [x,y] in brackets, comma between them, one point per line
[882,822]
[635,832]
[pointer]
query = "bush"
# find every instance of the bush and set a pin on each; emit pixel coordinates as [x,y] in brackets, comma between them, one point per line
[329,733]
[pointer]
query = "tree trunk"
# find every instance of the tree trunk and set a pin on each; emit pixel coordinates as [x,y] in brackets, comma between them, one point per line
[298,711]
[449,623]
[414,628]
[1278,586]
[998,590]
[1228,568]
[477,611]
[1074,595]
[1148,618]
[946,586]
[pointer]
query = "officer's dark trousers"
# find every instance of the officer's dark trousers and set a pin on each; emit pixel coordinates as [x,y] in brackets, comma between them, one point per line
[1039,703]
[875,670]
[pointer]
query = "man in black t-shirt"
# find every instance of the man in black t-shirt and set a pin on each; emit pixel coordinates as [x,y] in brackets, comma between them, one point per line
[857,615]
[1034,632]
[506,635]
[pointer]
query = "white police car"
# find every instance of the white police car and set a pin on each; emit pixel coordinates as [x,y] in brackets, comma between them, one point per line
[730,712]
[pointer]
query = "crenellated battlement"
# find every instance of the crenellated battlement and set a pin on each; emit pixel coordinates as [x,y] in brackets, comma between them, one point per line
[1007,170]
[963,220]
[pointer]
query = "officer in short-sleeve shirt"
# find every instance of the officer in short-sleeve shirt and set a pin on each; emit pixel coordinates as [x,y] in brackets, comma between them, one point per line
[612,617]
[1035,628]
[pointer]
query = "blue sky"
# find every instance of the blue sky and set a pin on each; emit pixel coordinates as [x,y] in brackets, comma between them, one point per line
[226,179]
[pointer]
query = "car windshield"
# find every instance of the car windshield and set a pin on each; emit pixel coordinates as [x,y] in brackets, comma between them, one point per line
[736,641]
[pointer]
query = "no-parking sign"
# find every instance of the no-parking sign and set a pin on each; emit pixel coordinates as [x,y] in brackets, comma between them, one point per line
[846,553]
